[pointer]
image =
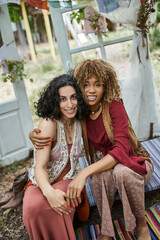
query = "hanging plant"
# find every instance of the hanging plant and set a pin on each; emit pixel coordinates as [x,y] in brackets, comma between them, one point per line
[13,69]
[93,21]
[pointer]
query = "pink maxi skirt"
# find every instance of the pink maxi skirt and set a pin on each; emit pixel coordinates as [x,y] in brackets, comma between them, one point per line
[41,221]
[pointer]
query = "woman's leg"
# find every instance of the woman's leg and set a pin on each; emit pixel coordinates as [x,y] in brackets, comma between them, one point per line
[130,186]
[41,221]
[141,225]
[104,191]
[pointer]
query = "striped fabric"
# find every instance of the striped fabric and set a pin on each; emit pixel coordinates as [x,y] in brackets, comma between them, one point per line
[87,232]
[83,163]
[153,219]
[153,148]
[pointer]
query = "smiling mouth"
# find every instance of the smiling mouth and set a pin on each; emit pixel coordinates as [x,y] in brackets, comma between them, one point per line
[91,98]
[71,110]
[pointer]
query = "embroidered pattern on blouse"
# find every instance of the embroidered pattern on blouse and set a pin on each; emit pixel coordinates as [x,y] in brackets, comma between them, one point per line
[55,167]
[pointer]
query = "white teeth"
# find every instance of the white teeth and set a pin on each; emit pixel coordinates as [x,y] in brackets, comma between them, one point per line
[70,111]
[91,97]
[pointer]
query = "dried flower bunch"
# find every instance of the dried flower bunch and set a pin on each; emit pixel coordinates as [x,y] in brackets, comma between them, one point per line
[93,19]
[146,8]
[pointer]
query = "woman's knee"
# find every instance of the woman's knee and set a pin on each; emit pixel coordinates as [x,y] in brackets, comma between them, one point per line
[32,206]
[127,176]
[120,170]
[121,174]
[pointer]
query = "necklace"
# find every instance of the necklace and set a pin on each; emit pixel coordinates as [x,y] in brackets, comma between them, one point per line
[68,130]
[93,112]
[68,124]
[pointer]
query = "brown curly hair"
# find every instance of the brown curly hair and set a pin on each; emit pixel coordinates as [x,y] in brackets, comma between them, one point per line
[104,72]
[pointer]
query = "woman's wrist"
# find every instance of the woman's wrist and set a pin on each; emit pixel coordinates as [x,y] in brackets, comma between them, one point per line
[85,173]
[47,191]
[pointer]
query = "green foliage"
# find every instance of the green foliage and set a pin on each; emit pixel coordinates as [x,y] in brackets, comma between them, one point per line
[158,11]
[47,66]
[14,12]
[154,36]
[154,33]
[78,15]
[14,70]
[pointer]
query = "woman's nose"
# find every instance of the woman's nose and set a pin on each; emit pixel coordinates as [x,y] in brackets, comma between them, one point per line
[92,89]
[69,103]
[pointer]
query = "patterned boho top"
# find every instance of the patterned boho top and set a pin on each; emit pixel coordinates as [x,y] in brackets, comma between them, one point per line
[60,156]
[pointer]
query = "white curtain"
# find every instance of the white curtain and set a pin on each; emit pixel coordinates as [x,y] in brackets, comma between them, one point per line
[138,88]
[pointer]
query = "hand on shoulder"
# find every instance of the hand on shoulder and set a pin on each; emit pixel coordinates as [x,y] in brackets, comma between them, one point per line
[44,134]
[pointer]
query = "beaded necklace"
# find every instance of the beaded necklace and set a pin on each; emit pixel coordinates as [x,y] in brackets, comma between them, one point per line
[93,112]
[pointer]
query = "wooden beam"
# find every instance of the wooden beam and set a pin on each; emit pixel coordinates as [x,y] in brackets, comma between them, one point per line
[49,33]
[28,32]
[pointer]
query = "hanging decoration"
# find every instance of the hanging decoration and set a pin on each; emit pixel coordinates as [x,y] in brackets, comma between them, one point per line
[93,21]
[146,8]
[38,3]
[107,6]
[143,1]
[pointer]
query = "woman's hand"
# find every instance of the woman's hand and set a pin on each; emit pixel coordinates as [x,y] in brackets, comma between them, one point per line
[39,142]
[75,187]
[56,199]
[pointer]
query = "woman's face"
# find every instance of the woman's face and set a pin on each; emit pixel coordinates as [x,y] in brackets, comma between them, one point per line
[93,89]
[68,102]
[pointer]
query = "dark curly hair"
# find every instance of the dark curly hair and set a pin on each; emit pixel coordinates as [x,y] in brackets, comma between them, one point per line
[48,103]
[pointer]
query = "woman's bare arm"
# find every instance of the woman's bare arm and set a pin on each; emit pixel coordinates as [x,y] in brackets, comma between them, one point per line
[55,197]
[76,186]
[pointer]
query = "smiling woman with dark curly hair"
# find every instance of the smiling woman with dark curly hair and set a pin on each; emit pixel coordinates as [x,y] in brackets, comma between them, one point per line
[48,104]
[46,213]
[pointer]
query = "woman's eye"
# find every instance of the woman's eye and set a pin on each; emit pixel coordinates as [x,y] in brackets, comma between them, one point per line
[85,85]
[98,84]
[74,97]
[62,99]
